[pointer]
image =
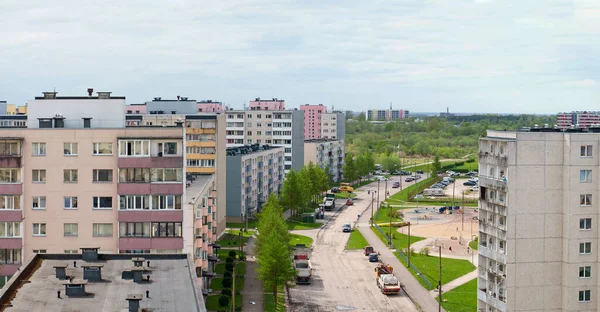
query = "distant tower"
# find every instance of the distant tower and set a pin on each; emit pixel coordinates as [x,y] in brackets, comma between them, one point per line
[390,105]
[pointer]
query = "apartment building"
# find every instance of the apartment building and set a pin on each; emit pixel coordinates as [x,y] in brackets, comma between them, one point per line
[253,172]
[210,106]
[12,109]
[283,128]
[386,114]
[273,104]
[538,245]
[326,153]
[71,178]
[312,120]
[333,126]
[579,119]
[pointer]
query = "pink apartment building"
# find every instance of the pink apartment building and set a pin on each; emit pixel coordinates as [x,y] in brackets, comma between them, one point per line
[312,120]
[135,109]
[210,107]
[273,104]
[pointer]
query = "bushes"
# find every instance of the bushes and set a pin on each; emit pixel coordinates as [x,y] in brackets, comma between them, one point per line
[229,267]
[395,214]
[227,274]
[424,252]
[226,292]
[227,282]
[229,260]
[224,301]
[232,254]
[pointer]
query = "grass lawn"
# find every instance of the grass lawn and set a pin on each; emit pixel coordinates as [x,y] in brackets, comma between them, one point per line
[356,241]
[212,303]
[217,283]
[344,195]
[300,239]
[229,239]
[297,225]
[383,215]
[252,224]
[474,244]
[269,304]
[461,298]
[224,254]
[474,166]
[400,240]
[240,269]
[405,193]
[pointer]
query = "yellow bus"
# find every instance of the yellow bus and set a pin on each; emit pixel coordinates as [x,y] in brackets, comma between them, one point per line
[345,187]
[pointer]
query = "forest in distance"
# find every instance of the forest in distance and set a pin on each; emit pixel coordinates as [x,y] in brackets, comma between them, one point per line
[449,137]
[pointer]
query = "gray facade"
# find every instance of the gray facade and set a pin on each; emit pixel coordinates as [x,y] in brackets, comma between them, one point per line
[341,126]
[182,106]
[3,107]
[297,140]
[234,186]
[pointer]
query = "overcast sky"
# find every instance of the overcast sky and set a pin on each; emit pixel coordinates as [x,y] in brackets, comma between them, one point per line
[539,56]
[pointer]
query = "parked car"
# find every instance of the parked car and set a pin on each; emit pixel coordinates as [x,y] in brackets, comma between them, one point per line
[369,250]
[417,177]
[346,228]
[470,183]
[396,185]
[380,178]
[475,188]
[373,257]
[420,171]
[409,179]
[349,202]
[335,190]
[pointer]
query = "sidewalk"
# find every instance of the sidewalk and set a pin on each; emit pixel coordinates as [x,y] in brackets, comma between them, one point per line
[455,283]
[253,287]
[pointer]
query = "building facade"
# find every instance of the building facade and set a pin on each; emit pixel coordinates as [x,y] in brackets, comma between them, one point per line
[333,126]
[538,242]
[579,119]
[326,153]
[277,128]
[312,120]
[210,106]
[273,104]
[253,173]
[386,114]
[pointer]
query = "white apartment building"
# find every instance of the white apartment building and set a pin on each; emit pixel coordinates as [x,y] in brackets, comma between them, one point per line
[282,128]
[333,125]
[538,233]
[327,154]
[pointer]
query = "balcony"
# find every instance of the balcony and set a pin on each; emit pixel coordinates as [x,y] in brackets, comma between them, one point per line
[492,298]
[11,188]
[498,184]
[150,188]
[7,215]
[132,243]
[151,162]
[151,216]
[495,255]
[10,161]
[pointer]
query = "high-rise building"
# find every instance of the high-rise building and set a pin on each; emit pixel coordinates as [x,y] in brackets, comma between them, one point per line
[312,120]
[210,106]
[579,119]
[333,126]
[253,173]
[327,154]
[283,128]
[538,242]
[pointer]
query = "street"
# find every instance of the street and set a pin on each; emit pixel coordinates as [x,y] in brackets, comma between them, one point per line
[345,280]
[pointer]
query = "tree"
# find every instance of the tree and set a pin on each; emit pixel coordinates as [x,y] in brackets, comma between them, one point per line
[350,171]
[272,249]
[436,166]
[369,160]
[361,165]
[290,196]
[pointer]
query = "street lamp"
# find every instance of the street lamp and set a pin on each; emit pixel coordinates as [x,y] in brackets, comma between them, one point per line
[378,194]
[439,282]
[372,199]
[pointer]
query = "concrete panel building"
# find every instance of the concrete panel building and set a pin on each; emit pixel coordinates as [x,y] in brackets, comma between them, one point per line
[327,154]
[253,173]
[538,238]
[210,106]
[312,120]
[333,126]
[272,104]
[579,119]
[386,114]
[283,128]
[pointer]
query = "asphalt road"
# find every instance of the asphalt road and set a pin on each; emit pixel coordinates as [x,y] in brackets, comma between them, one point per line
[345,280]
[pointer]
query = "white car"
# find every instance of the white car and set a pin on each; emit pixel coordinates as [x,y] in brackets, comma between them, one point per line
[475,188]
[381,178]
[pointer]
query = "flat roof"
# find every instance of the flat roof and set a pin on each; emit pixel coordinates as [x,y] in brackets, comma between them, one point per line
[197,186]
[173,285]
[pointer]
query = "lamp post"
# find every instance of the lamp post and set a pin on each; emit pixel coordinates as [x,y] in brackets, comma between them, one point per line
[372,199]
[378,194]
[408,244]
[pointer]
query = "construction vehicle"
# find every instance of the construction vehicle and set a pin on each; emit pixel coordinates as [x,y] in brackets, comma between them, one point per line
[303,269]
[386,281]
[329,204]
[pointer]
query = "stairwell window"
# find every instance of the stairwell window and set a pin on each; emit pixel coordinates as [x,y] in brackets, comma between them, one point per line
[585,272]
[585,248]
[586,151]
[585,200]
[585,176]
[585,295]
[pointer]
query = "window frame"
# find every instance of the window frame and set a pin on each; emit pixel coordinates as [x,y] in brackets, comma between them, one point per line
[162,229]
[12,174]
[39,200]
[72,226]
[585,224]
[4,227]
[96,227]
[39,175]
[163,148]
[145,202]
[14,200]
[38,149]
[585,249]
[159,174]
[96,201]
[586,151]
[585,200]
[585,295]
[146,175]
[585,271]
[71,146]
[39,226]
[73,203]
[96,148]
[585,176]
[144,148]
[74,178]
[96,175]
[14,258]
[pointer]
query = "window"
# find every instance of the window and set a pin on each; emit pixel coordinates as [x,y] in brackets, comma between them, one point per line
[10,256]
[585,200]
[134,229]
[585,248]
[9,176]
[10,148]
[102,175]
[167,175]
[585,272]
[38,202]
[40,251]
[70,229]
[38,149]
[10,229]
[166,229]
[100,202]
[200,162]
[585,224]
[200,150]
[10,202]
[70,175]
[585,295]
[70,202]
[585,176]
[70,149]
[167,148]
[134,202]
[586,151]
[38,175]
[71,251]
[134,175]
[104,148]
[39,229]
[166,202]
[134,148]
[102,230]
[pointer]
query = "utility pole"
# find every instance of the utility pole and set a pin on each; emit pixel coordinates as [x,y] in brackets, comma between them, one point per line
[386,190]
[390,238]
[378,194]
[408,244]
[453,190]
[440,281]
[463,211]
[372,198]
[472,252]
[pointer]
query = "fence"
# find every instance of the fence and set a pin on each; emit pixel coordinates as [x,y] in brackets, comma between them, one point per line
[402,254]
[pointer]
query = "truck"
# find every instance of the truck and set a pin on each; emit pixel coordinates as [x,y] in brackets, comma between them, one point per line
[329,196]
[303,269]
[386,281]
[329,204]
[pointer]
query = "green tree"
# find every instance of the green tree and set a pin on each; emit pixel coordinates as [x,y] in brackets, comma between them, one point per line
[436,166]
[290,197]
[369,160]
[362,167]
[272,249]
[349,169]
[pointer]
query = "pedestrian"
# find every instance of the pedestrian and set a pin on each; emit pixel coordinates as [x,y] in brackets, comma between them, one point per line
[468,250]
[368,192]
[450,248]
[457,229]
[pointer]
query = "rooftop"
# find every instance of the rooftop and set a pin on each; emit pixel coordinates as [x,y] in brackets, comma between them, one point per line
[196,186]
[249,149]
[321,140]
[172,287]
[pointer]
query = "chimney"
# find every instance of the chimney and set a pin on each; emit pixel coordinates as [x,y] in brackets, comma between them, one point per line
[178,98]
[50,95]
[134,302]
[89,254]
[104,95]
[90,91]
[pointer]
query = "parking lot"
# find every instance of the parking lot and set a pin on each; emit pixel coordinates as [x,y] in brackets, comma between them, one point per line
[458,188]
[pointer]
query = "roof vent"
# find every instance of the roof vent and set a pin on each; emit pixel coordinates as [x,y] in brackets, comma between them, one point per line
[157,98]
[90,91]
[184,98]
[50,95]
[104,95]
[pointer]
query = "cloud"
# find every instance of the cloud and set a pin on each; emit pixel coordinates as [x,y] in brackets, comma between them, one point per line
[585,82]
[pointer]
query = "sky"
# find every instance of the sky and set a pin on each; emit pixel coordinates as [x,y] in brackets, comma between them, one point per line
[469,55]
